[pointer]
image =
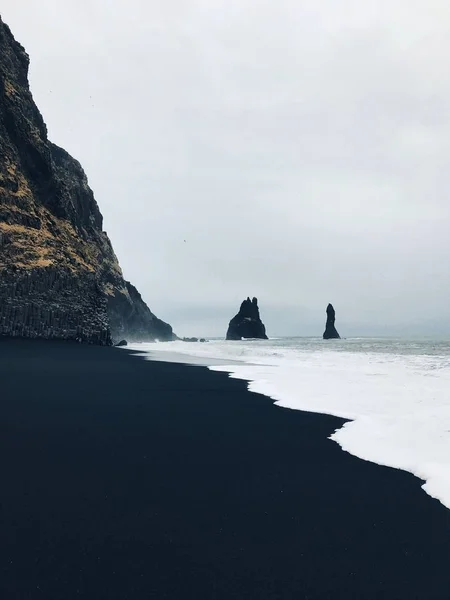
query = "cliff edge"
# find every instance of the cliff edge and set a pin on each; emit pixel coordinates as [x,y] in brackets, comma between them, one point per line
[59,276]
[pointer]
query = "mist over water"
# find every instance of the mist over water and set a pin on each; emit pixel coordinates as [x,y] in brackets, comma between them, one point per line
[395,392]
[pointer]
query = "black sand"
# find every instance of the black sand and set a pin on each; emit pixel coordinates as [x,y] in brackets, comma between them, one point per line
[125,479]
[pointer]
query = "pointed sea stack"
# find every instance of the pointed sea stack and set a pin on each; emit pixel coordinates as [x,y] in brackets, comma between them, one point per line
[247,323]
[330,330]
[59,275]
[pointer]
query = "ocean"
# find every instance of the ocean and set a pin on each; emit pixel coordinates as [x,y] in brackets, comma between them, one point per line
[395,393]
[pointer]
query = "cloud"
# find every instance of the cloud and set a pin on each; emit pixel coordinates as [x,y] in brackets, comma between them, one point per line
[300,148]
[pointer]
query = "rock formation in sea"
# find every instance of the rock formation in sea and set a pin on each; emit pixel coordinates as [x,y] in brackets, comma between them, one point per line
[59,276]
[330,330]
[247,323]
[121,344]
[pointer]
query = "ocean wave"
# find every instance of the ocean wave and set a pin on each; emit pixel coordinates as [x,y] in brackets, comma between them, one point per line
[395,394]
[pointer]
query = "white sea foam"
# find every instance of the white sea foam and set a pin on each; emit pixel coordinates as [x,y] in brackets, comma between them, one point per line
[396,393]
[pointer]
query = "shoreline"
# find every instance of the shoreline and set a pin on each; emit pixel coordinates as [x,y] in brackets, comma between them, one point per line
[124,477]
[180,358]
[373,395]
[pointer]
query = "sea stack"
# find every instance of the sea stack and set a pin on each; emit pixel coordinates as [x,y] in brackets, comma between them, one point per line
[59,275]
[330,330]
[247,323]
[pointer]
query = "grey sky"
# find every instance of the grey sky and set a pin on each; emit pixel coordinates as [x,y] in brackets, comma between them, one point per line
[301,148]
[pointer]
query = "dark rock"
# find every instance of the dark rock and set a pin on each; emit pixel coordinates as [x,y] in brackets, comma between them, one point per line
[130,317]
[53,303]
[59,276]
[202,340]
[247,323]
[190,339]
[330,330]
[121,343]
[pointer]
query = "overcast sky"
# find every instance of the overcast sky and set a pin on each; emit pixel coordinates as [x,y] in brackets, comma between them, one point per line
[295,150]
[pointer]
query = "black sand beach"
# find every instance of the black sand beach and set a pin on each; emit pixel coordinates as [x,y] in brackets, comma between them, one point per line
[128,479]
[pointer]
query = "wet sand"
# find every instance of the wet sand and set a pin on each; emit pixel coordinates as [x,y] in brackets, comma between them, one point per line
[123,478]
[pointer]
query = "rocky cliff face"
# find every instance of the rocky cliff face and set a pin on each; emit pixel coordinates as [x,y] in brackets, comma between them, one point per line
[330,330]
[247,323]
[59,276]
